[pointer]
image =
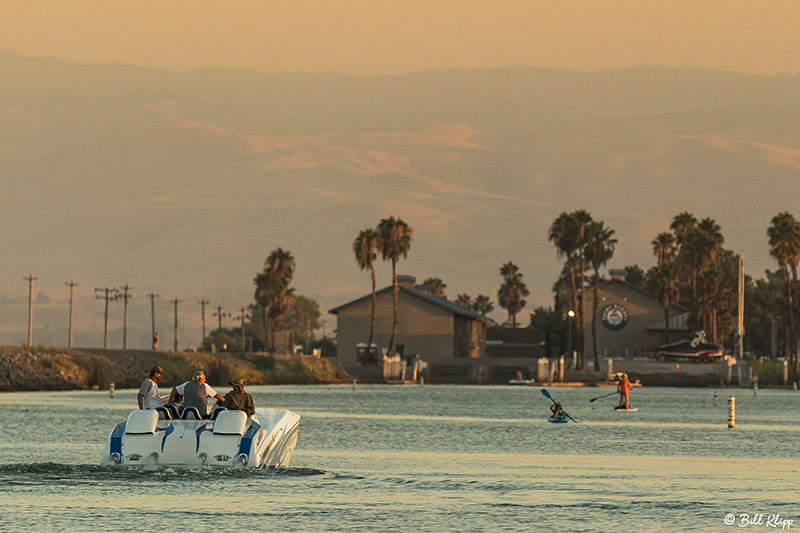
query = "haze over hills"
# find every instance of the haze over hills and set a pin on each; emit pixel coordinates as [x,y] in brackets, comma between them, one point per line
[182,183]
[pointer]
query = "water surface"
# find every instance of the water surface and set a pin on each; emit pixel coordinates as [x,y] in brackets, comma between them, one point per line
[433,458]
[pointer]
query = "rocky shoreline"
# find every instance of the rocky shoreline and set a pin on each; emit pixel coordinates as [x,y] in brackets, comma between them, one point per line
[38,369]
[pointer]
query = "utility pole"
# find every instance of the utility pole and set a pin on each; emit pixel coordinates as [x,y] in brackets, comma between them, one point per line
[152,297]
[242,318]
[203,303]
[740,317]
[324,328]
[107,294]
[30,279]
[220,315]
[71,286]
[175,302]
[125,297]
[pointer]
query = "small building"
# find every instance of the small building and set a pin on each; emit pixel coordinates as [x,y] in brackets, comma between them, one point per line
[429,326]
[630,320]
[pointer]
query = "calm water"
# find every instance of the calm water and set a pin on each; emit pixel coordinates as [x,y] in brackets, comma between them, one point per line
[433,458]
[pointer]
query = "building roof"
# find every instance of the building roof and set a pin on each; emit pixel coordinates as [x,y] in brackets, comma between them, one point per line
[630,285]
[422,295]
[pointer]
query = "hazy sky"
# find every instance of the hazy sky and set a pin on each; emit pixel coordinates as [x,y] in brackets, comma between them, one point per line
[377,36]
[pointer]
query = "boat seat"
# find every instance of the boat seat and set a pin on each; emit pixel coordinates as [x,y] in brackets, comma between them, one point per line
[163,413]
[173,411]
[191,413]
[217,411]
[142,422]
[230,422]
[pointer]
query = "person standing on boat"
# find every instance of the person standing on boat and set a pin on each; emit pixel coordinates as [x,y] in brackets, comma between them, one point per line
[624,389]
[148,397]
[238,399]
[196,393]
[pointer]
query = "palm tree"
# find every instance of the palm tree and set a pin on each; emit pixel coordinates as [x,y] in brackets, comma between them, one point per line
[512,292]
[664,248]
[364,249]
[464,300]
[784,246]
[483,304]
[598,250]
[394,241]
[667,290]
[681,225]
[273,293]
[438,286]
[568,233]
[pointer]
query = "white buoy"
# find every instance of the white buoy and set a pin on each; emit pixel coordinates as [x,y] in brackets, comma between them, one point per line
[731,412]
[111,390]
[716,398]
[794,386]
[354,383]
[755,388]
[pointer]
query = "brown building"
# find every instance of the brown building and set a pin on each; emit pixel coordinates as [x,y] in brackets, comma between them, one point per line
[429,326]
[630,320]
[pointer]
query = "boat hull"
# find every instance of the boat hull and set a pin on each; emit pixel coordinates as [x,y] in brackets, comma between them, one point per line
[265,440]
[559,420]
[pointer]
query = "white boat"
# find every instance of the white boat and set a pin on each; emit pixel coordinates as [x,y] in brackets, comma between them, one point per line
[156,437]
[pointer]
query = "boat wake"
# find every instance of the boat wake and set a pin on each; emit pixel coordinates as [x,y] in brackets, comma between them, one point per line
[48,473]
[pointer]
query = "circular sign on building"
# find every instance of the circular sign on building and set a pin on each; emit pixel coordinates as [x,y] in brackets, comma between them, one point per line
[614,316]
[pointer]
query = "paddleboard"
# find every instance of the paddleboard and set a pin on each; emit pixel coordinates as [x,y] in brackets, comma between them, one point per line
[631,410]
[559,420]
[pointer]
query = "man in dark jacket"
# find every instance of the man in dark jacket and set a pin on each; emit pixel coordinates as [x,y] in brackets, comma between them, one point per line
[238,399]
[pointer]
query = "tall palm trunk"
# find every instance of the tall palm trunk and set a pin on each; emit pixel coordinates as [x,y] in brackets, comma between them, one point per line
[582,314]
[372,318]
[594,320]
[395,295]
[666,323]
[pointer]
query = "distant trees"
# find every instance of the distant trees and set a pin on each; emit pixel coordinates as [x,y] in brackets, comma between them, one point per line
[438,286]
[784,246]
[512,293]
[272,292]
[480,304]
[666,275]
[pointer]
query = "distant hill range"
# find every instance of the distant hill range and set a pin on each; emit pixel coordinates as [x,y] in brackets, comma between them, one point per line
[184,182]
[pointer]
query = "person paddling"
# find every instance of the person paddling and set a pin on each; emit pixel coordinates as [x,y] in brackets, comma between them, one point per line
[624,389]
[557,410]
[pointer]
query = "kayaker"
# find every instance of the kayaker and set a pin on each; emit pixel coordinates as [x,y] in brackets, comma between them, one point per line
[624,389]
[557,410]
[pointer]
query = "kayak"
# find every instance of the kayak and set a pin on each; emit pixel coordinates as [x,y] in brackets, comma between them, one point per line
[559,420]
[622,409]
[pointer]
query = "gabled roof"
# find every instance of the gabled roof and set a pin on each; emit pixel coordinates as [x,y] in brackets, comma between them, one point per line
[435,300]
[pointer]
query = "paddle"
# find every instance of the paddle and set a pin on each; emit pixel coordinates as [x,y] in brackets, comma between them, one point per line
[547,395]
[604,396]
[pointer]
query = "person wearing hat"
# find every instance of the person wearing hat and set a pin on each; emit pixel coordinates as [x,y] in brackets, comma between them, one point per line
[238,399]
[148,397]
